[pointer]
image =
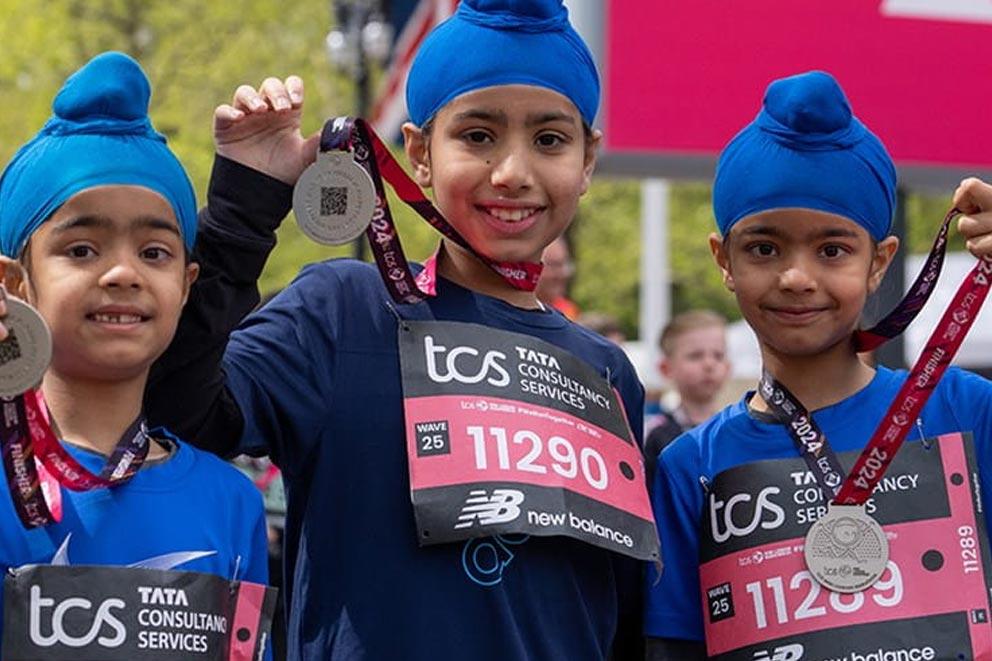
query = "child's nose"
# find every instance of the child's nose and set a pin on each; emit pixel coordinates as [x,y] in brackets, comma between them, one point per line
[122,274]
[797,278]
[512,171]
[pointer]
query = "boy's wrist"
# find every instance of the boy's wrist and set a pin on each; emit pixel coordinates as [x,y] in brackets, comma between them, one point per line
[258,201]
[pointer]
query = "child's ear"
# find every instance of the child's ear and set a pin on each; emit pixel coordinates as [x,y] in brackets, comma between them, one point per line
[722,259]
[192,273]
[885,250]
[417,147]
[589,160]
[665,368]
[12,277]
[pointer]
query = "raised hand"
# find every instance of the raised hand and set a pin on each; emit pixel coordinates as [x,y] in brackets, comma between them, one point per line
[973,198]
[261,129]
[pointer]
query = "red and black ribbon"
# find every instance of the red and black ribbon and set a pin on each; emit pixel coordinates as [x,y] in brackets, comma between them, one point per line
[36,463]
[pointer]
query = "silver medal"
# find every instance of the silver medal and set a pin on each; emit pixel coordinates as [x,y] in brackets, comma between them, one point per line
[334,199]
[25,354]
[846,550]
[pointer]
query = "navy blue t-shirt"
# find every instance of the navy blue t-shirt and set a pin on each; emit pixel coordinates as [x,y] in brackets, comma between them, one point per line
[962,402]
[193,507]
[316,375]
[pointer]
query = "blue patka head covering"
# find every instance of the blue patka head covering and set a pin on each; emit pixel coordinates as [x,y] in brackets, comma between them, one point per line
[806,150]
[502,42]
[99,135]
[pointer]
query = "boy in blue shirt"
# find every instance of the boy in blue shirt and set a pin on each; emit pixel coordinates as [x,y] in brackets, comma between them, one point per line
[502,97]
[97,218]
[803,198]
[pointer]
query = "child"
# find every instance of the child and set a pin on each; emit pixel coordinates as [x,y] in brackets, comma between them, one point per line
[97,217]
[694,360]
[552,288]
[603,324]
[501,98]
[803,197]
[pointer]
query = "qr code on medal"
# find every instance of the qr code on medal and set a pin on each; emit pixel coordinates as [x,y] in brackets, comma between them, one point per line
[333,200]
[9,349]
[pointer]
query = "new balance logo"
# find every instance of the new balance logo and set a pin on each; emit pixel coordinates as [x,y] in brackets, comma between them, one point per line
[792,652]
[500,507]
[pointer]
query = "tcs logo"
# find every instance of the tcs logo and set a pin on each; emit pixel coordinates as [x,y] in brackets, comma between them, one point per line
[741,515]
[464,365]
[59,636]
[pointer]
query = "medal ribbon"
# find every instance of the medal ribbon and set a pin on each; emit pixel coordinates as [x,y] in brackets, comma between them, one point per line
[906,310]
[36,463]
[355,136]
[936,356]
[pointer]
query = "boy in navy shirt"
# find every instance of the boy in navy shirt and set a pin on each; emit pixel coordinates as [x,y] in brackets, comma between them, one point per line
[502,97]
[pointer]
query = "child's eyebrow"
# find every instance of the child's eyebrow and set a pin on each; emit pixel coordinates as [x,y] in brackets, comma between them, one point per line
[103,222]
[494,116]
[77,222]
[829,233]
[761,230]
[156,223]
[548,117]
[841,232]
[501,118]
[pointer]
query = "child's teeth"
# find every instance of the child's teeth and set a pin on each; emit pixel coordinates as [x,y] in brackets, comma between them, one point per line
[117,318]
[512,215]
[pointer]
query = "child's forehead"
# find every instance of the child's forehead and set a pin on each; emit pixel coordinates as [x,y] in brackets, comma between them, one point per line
[114,208]
[117,198]
[704,335]
[798,224]
[512,102]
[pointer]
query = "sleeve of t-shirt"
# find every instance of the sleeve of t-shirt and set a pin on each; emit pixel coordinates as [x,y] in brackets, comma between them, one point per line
[632,393]
[278,366]
[186,389]
[673,607]
[257,565]
[968,397]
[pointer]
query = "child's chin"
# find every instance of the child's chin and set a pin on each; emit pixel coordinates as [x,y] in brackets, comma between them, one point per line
[114,367]
[516,253]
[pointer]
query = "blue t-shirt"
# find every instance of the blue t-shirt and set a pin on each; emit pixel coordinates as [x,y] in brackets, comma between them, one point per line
[962,402]
[316,374]
[193,503]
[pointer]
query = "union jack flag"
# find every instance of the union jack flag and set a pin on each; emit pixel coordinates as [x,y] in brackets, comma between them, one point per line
[389,110]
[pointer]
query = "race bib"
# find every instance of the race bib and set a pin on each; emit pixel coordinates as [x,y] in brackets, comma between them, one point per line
[87,613]
[932,601]
[507,433]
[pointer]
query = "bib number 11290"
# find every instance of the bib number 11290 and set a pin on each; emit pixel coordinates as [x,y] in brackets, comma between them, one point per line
[530,453]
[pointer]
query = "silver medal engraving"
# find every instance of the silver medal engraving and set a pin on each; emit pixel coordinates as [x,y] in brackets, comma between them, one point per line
[27,351]
[334,199]
[846,549]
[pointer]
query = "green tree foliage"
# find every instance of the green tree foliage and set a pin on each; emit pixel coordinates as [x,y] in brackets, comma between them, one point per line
[608,251]
[197,52]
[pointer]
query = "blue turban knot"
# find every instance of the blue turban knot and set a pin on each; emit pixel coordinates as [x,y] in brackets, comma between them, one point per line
[806,150]
[99,135]
[502,42]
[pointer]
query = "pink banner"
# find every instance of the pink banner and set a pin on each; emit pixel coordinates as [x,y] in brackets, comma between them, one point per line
[684,76]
